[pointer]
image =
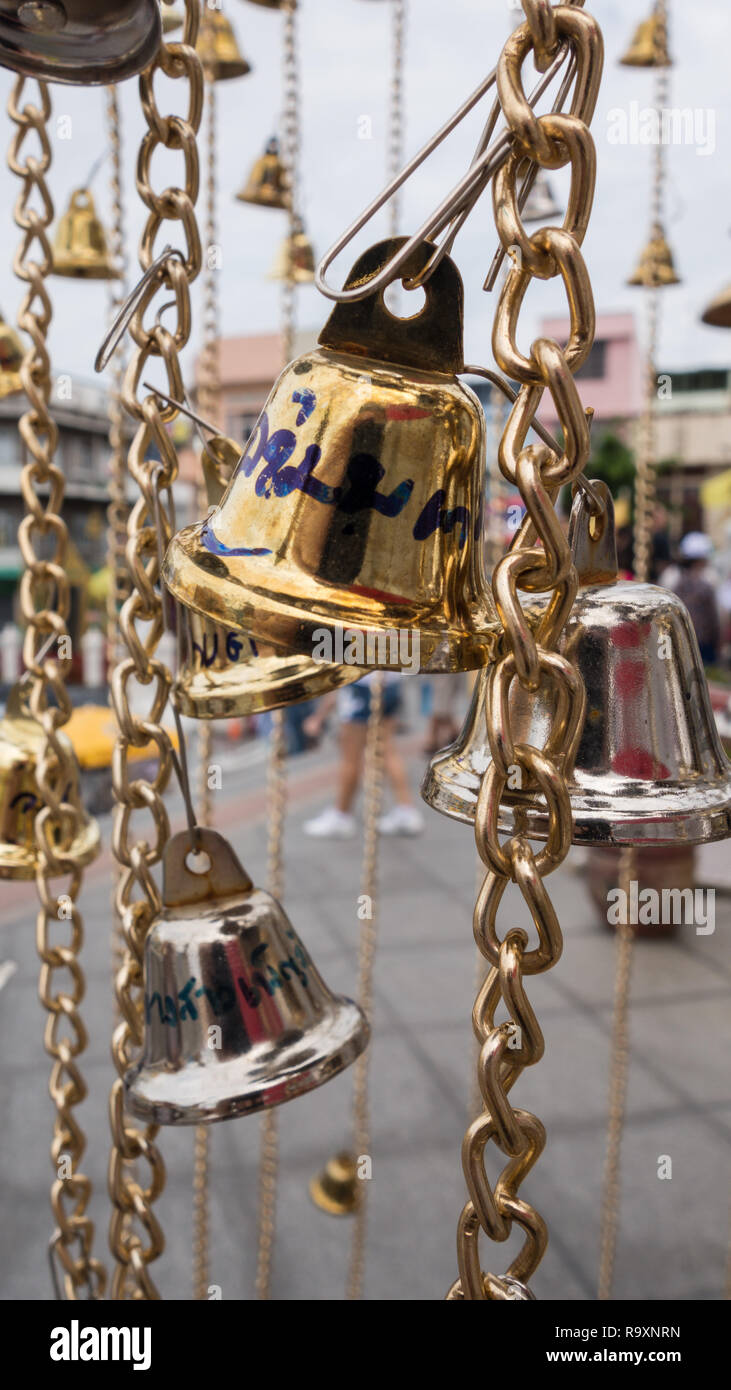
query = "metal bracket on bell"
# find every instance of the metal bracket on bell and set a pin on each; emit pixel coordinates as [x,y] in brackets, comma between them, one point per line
[593,538]
[81,43]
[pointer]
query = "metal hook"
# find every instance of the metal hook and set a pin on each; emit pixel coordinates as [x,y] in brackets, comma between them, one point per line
[199,423]
[94,170]
[456,206]
[126,313]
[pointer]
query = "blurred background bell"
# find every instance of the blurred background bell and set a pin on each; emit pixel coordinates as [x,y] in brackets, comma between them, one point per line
[649,47]
[217,48]
[223,955]
[655,268]
[78,41]
[540,205]
[267,184]
[295,259]
[21,742]
[11,357]
[367,519]
[718,313]
[335,1189]
[171,20]
[649,769]
[80,246]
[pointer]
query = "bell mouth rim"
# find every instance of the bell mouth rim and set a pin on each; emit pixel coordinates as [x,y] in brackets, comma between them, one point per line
[237,603]
[328,1204]
[21,861]
[174,1109]
[76,271]
[80,63]
[207,694]
[592,823]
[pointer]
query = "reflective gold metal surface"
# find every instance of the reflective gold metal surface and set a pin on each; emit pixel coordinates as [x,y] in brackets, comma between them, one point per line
[649,47]
[80,246]
[223,954]
[373,526]
[295,259]
[79,41]
[335,1189]
[655,268]
[11,358]
[217,48]
[267,185]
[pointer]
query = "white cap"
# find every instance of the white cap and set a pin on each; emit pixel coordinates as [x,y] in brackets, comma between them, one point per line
[696,546]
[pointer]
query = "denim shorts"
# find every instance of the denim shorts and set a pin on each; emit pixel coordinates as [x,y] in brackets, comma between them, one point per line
[354,702]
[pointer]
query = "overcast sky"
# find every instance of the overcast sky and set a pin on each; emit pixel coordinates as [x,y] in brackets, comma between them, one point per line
[450,45]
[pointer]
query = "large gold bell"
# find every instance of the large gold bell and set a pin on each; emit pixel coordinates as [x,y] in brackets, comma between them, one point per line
[78,41]
[649,768]
[218,50]
[21,741]
[267,185]
[237,1018]
[295,259]
[11,358]
[649,47]
[80,246]
[718,313]
[656,268]
[358,502]
[335,1189]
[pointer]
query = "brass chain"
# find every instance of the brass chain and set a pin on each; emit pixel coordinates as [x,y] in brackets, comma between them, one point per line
[395,150]
[373,787]
[618,1078]
[135,1236]
[539,561]
[45,605]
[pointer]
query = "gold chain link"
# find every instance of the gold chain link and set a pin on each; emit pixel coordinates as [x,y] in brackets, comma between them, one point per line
[538,561]
[618,1077]
[45,605]
[135,1236]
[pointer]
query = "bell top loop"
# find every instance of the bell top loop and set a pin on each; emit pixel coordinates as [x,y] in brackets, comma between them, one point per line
[431,340]
[593,538]
[225,877]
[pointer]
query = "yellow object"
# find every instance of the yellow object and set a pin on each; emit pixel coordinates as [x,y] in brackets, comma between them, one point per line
[656,268]
[716,493]
[649,47]
[92,730]
[218,50]
[80,247]
[267,184]
[11,357]
[295,259]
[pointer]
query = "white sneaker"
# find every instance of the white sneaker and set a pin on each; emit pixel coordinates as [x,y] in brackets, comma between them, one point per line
[331,824]
[401,820]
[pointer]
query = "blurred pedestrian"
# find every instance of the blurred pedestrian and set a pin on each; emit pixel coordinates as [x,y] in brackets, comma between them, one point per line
[694,586]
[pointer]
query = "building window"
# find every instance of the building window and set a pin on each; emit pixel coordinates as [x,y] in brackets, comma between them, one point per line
[595,366]
[9,444]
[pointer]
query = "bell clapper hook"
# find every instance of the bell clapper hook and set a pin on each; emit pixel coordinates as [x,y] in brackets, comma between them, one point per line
[128,309]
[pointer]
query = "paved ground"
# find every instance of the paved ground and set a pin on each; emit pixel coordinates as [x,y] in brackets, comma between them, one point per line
[674,1233]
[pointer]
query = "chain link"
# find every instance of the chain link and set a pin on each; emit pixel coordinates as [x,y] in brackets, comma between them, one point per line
[136,1238]
[45,604]
[538,561]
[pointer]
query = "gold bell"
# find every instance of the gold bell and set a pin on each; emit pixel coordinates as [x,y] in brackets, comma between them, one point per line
[649,47]
[171,20]
[358,503]
[718,313]
[267,185]
[80,247]
[218,50]
[225,674]
[649,768]
[295,259]
[79,41]
[237,1018]
[540,205]
[21,741]
[655,269]
[335,1189]
[11,358]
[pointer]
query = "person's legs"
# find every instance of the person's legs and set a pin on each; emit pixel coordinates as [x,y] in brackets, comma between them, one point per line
[352,747]
[394,765]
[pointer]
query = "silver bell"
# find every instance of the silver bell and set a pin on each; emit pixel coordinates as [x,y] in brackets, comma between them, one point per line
[237,1018]
[649,769]
[79,41]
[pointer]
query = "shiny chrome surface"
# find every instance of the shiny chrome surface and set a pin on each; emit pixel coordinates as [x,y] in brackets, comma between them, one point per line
[227,673]
[79,41]
[373,525]
[80,248]
[21,742]
[650,768]
[223,954]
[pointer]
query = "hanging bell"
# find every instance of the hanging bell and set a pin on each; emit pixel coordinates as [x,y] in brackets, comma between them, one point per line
[79,41]
[220,55]
[11,358]
[171,20]
[718,313]
[267,185]
[649,47]
[237,1018]
[80,246]
[21,742]
[224,674]
[358,503]
[649,769]
[655,269]
[295,259]
[335,1189]
[540,205]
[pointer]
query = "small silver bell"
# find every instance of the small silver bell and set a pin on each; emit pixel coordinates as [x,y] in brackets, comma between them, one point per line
[649,769]
[237,1018]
